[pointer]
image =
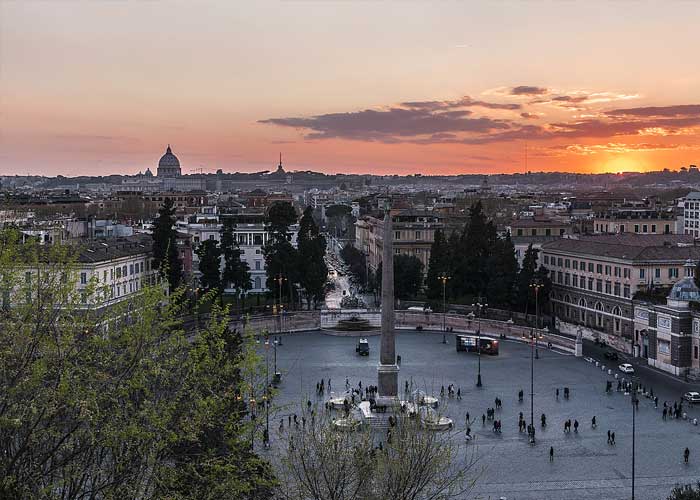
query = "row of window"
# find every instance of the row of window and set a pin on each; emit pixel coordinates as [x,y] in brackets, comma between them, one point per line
[592,267]
[418,235]
[598,285]
[533,232]
[121,271]
[643,228]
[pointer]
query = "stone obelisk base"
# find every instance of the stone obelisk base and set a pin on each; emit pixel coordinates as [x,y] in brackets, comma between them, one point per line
[387,386]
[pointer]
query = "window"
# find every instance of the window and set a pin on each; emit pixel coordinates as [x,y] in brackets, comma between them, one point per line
[626,291]
[83,278]
[119,272]
[419,235]
[257,266]
[636,228]
[653,228]
[397,235]
[599,268]
[644,228]
[622,228]
[111,274]
[104,275]
[211,237]
[520,232]
[567,279]
[695,352]
[608,287]
[559,262]
[124,270]
[575,263]
[534,232]
[618,272]
[598,285]
[590,284]
[599,314]
[667,228]
[673,272]
[582,265]
[583,282]
[664,347]
[617,289]
[590,267]
[607,270]
[257,283]
[567,263]
[657,273]
[546,257]
[141,266]
[574,281]
[582,305]
[548,232]
[560,277]
[617,321]
[131,269]
[642,274]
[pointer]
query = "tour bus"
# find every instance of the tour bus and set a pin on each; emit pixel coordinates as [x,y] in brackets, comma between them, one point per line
[362,347]
[470,343]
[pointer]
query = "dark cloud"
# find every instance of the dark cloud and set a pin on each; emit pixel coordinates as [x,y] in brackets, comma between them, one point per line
[570,98]
[529,116]
[679,110]
[391,125]
[464,102]
[528,90]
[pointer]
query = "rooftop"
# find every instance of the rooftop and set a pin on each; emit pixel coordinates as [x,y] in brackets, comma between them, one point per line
[630,246]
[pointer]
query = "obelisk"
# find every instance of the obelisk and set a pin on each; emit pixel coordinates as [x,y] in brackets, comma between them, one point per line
[388,370]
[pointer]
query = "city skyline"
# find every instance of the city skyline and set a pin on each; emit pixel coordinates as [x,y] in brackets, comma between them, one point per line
[350,88]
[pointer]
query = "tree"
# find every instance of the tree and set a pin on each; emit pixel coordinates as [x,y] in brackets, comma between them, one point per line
[530,274]
[166,257]
[280,216]
[118,401]
[356,262]
[503,267]
[321,463]
[313,272]
[438,265]
[236,273]
[210,265]
[686,492]
[408,276]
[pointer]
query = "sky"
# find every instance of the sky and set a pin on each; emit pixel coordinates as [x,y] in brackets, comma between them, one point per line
[381,87]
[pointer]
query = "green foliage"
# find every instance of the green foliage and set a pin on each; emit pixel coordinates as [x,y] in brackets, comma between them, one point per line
[438,265]
[686,492]
[408,276]
[118,401]
[313,271]
[165,253]
[210,265]
[236,271]
[357,263]
[280,216]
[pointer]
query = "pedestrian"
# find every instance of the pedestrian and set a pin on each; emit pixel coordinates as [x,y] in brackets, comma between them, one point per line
[593,423]
[483,419]
[329,384]
[576,426]
[686,455]
[656,401]
[663,414]
[459,393]
[557,392]
[467,417]
[612,438]
[609,437]
[406,386]
[551,453]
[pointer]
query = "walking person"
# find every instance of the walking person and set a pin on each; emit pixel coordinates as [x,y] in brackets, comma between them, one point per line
[686,455]
[557,393]
[483,419]
[551,453]
[612,438]
[593,423]
[609,442]
[576,426]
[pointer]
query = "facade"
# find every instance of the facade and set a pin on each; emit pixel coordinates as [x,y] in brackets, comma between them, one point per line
[668,335]
[595,278]
[641,221]
[539,225]
[169,165]
[413,231]
[249,229]
[691,214]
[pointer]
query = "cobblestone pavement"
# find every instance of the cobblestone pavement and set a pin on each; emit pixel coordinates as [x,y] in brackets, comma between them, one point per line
[584,465]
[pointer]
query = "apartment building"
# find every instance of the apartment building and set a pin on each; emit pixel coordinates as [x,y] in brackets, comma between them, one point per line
[691,214]
[595,279]
[640,221]
[414,232]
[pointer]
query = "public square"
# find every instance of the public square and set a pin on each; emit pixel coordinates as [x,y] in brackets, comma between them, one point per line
[584,465]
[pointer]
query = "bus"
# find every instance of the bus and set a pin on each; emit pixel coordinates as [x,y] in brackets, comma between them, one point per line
[470,343]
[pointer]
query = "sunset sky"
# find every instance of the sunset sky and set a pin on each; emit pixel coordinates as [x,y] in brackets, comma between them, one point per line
[101,87]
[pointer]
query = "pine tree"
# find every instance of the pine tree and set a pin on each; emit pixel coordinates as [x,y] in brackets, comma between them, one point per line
[527,276]
[281,258]
[503,267]
[165,252]
[236,273]
[438,265]
[210,265]
[313,271]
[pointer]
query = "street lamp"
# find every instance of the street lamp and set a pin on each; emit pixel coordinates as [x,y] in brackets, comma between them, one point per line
[536,287]
[280,279]
[443,278]
[634,413]
[480,306]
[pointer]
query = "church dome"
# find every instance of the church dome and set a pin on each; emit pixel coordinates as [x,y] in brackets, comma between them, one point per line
[169,159]
[685,290]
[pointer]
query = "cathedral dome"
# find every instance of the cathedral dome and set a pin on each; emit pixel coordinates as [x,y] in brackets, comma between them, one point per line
[169,165]
[169,159]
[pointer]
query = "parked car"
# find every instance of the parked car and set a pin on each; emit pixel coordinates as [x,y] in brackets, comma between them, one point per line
[611,355]
[692,397]
[626,368]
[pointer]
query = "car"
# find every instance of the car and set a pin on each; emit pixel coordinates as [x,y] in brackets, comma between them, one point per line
[611,355]
[626,368]
[692,397]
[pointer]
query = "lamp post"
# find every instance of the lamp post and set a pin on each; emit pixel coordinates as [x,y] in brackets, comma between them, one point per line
[443,278]
[634,414]
[280,279]
[480,306]
[536,287]
[266,401]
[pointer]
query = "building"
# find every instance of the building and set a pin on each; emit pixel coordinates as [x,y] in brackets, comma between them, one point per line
[249,229]
[414,232]
[539,225]
[169,165]
[632,220]
[108,271]
[595,278]
[691,214]
[668,334]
